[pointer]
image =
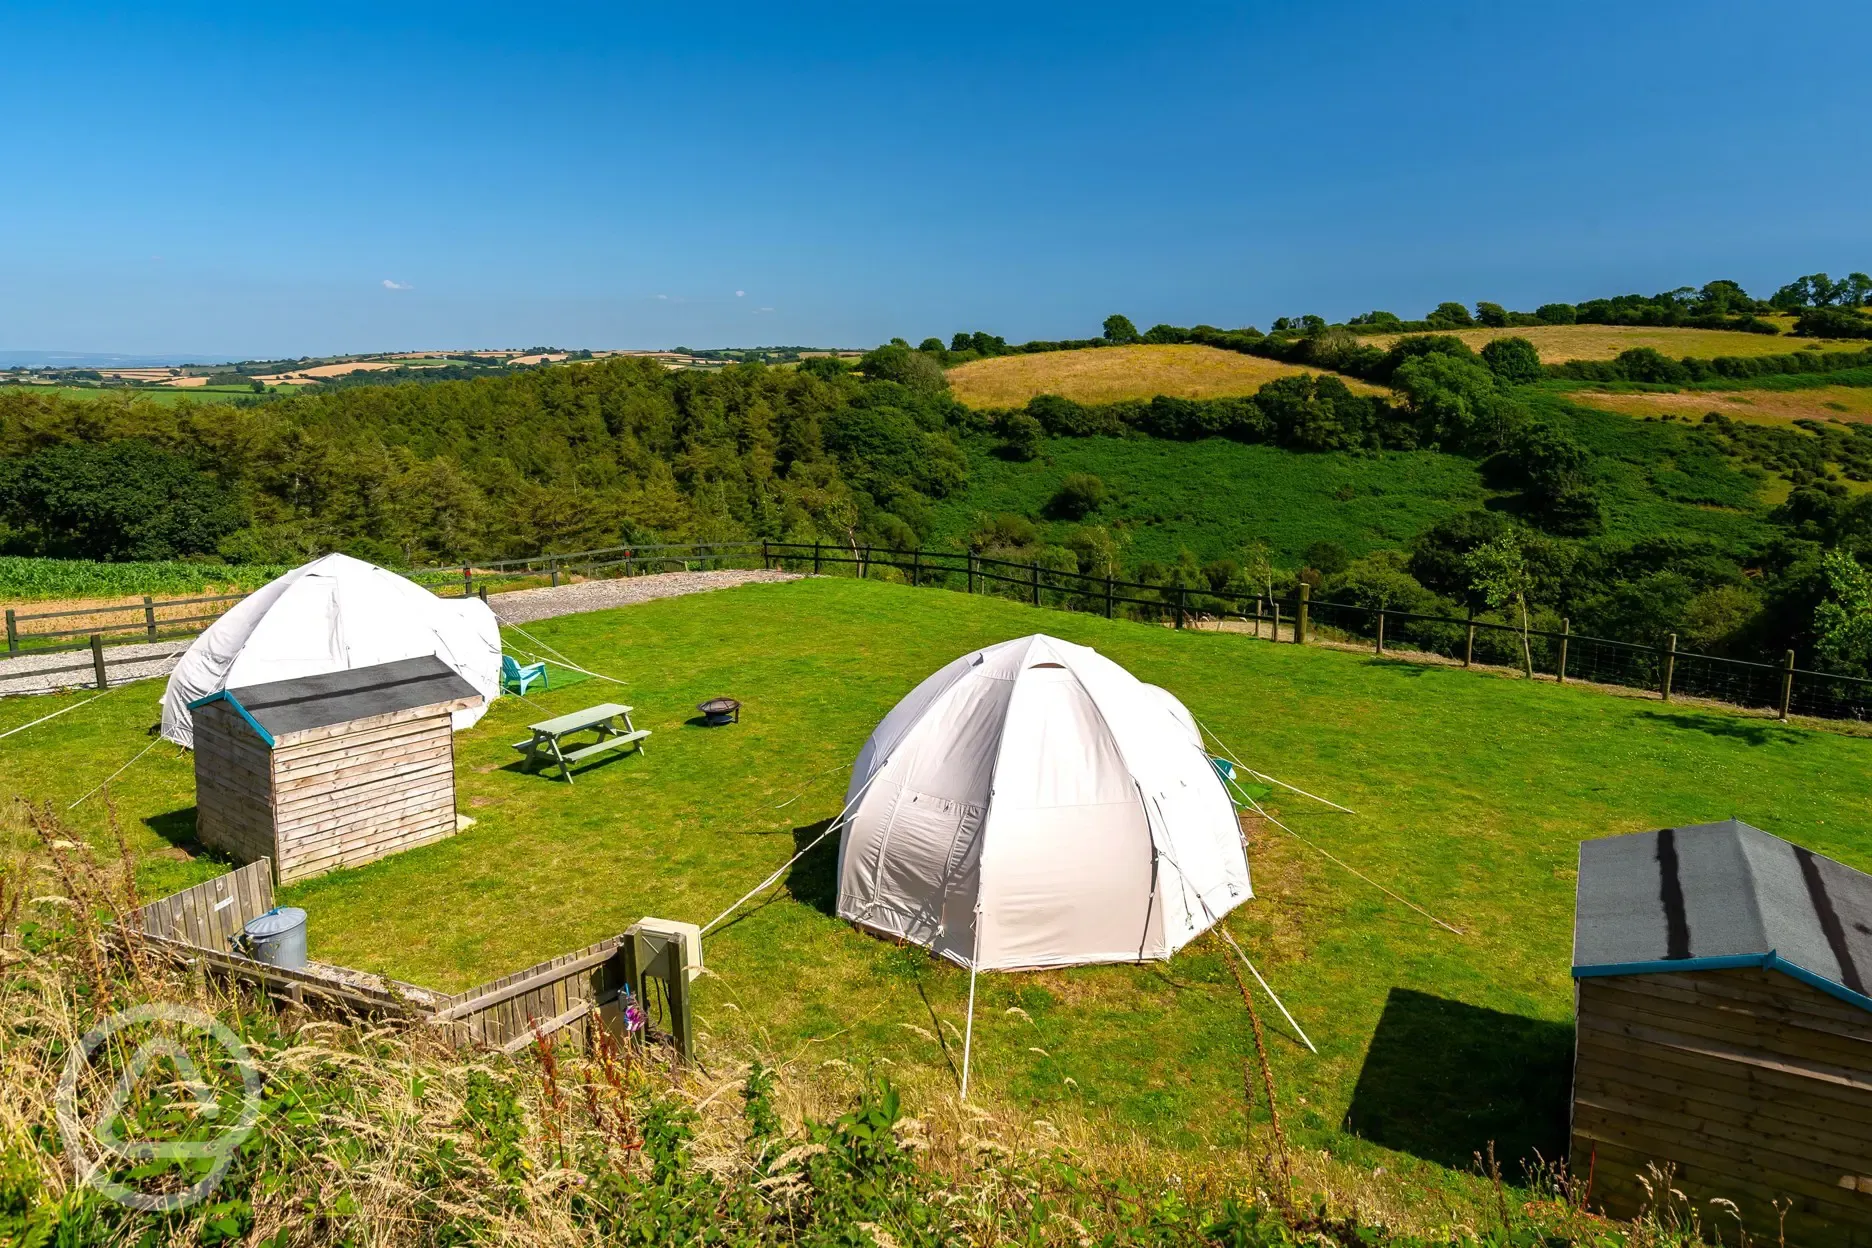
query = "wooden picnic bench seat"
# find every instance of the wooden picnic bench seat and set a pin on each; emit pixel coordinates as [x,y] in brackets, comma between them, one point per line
[546,746]
[609,743]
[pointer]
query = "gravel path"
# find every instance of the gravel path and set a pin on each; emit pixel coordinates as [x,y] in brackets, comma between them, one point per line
[523,606]
[147,659]
[18,675]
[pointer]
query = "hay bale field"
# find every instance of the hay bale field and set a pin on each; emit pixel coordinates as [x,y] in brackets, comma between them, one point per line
[1559,343]
[1765,407]
[1473,792]
[1111,374]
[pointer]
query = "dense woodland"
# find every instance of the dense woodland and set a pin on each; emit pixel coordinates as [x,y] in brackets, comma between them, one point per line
[599,453]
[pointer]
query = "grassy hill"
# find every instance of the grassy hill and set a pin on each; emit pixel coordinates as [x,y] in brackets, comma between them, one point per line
[1215,496]
[1111,374]
[1472,793]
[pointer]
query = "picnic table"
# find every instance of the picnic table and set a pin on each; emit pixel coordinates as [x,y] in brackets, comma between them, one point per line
[548,744]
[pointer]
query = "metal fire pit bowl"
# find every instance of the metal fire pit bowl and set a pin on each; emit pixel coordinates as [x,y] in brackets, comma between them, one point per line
[719,711]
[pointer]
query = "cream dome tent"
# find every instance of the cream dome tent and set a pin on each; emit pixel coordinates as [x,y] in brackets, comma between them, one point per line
[331,615]
[1033,804]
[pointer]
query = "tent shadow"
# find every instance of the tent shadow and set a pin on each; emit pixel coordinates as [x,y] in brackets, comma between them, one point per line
[813,880]
[1443,1080]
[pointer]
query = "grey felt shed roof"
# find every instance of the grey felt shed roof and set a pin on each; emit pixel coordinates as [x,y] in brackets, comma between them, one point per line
[282,707]
[1717,896]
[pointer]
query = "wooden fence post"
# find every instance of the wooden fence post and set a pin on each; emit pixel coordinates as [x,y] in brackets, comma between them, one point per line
[766,562]
[12,632]
[554,567]
[916,567]
[1566,631]
[149,617]
[483,591]
[1300,615]
[1787,684]
[97,659]
[1378,646]
[969,558]
[1035,569]
[1108,597]
[1182,598]
[1670,664]
[1274,628]
[1468,653]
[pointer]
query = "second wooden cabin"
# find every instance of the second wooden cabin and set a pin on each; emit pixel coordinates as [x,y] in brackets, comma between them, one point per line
[331,770]
[1725,1032]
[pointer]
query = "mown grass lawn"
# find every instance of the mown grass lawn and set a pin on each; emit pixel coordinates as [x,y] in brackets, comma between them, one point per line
[1472,793]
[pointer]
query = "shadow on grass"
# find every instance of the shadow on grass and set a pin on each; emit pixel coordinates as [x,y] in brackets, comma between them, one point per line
[813,880]
[1733,728]
[1443,1080]
[1403,667]
[178,828]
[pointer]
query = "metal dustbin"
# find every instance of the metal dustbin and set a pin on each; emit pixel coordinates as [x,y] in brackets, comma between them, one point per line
[277,938]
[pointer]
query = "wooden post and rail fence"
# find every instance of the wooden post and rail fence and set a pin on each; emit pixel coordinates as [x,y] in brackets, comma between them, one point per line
[1672,672]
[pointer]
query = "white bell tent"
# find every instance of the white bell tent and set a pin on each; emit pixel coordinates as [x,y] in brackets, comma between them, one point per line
[332,615]
[1033,804]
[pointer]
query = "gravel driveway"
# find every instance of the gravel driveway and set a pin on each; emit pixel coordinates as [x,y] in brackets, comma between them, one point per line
[523,606]
[148,659]
[17,675]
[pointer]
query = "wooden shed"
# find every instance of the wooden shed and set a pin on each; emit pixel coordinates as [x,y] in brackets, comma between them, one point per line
[1725,1029]
[329,771]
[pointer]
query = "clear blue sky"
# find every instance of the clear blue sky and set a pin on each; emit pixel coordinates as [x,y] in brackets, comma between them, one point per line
[246,180]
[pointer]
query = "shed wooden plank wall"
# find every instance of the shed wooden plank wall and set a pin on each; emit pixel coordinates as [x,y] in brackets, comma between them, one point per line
[345,798]
[1757,1086]
[233,785]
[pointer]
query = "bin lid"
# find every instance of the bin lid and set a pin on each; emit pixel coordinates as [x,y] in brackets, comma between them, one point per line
[276,921]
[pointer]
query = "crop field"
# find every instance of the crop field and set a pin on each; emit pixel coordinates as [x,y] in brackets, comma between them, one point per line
[1559,343]
[1472,792]
[1109,374]
[1764,406]
[54,584]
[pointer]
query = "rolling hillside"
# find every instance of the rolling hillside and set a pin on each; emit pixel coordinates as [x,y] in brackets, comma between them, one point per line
[1111,374]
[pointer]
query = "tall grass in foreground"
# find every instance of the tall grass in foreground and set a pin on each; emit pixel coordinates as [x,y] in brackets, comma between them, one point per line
[32,579]
[377,1134]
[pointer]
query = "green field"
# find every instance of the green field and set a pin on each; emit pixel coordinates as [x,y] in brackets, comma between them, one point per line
[159,394]
[1472,791]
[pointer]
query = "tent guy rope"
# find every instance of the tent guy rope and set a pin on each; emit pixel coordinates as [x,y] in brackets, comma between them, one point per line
[126,767]
[830,828]
[1260,810]
[552,653]
[54,715]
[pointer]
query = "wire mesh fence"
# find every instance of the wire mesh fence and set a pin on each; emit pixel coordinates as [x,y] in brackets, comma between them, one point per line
[1561,655]
[1781,687]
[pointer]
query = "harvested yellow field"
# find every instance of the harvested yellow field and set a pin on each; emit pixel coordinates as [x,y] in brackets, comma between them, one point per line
[1770,407]
[1111,374]
[1559,343]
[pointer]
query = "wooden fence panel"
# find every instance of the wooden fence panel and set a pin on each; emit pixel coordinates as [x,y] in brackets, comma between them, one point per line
[211,913]
[503,1013]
